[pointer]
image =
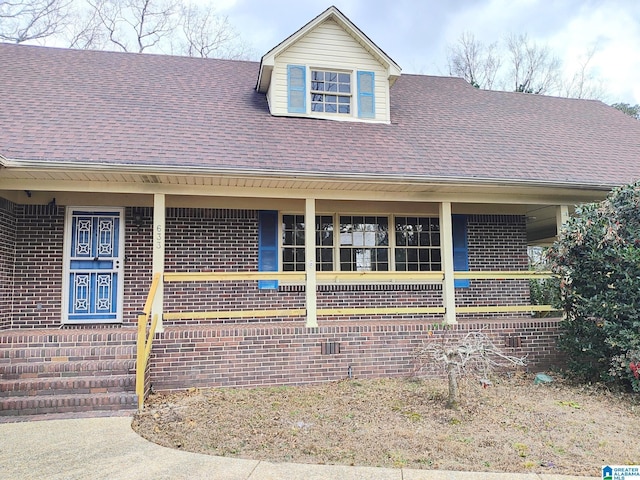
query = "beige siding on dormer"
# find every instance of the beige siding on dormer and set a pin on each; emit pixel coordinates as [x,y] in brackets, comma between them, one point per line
[328,46]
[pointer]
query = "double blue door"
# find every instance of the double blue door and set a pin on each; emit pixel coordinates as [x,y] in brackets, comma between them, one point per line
[94,266]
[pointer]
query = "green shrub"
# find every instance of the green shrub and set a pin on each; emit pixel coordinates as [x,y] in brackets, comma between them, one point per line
[543,291]
[597,257]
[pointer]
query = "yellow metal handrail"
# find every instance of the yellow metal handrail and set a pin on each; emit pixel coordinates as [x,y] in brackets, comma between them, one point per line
[505,275]
[354,277]
[144,342]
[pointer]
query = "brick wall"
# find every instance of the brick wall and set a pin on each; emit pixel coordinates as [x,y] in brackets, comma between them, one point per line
[38,266]
[272,354]
[498,243]
[138,261]
[226,240]
[7,260]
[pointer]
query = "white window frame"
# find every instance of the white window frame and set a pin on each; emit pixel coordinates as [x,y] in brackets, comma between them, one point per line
[352,103]
[336,236]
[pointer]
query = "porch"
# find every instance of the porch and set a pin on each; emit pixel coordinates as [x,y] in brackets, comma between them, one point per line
[223,322]
[53,371]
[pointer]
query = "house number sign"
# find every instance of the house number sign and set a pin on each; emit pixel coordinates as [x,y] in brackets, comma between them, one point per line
[158,236]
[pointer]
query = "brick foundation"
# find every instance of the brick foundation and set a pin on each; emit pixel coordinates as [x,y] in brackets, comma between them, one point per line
[289,353]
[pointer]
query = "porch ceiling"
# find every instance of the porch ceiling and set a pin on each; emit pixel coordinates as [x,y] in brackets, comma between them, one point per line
[537,202]
[292,185]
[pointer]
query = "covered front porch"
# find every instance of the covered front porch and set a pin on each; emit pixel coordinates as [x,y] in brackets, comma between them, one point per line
[237,303]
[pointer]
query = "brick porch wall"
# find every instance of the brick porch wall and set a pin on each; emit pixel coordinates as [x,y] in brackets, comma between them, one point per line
[288,353]
[138,262]
[7,260]
[37,288]
[208,239]
[496,243]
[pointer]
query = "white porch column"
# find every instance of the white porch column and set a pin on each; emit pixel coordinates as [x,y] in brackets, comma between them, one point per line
[158,254]
[310,264]
[562,215]
[446,245]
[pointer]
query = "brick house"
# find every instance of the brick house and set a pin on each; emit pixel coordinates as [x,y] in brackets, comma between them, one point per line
[424,193]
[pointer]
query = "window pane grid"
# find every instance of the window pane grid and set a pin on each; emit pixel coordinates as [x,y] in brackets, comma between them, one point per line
[293,258]
[417,244]
[324,243]
[364,243]
[330,92]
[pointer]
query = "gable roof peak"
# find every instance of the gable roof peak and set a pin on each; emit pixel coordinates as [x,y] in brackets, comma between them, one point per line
[332,13]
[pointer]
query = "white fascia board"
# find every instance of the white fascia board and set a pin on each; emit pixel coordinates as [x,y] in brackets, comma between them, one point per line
[192,170]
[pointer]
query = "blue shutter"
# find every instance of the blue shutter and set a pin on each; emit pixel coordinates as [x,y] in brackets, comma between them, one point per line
[460,248]
[297,86]
[267,246]
[366,99]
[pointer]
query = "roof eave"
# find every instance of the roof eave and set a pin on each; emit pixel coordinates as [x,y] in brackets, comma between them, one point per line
[194,170]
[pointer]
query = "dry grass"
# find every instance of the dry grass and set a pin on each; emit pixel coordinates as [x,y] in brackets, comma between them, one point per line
[512,426]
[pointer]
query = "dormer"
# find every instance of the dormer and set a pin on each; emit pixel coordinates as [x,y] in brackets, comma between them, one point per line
[328,69]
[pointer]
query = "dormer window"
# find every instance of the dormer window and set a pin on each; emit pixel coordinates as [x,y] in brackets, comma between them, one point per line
[328,70]
[330,92]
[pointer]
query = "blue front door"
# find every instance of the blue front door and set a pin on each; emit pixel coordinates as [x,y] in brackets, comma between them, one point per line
[94,260]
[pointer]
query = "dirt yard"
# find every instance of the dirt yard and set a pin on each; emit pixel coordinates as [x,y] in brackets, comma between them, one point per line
[511,426]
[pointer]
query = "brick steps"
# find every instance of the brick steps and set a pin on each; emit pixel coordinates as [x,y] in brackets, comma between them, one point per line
[66,371]
[72,352]
[44,404]
[47,368]
[68,385]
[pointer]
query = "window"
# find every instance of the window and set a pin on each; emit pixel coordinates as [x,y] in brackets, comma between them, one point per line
[293,253]
[324,243]
[330,92]
[343,93]
[417,244]
[364,243]
[293,243]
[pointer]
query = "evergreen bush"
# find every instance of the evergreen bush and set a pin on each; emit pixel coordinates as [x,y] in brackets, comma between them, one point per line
[597,257]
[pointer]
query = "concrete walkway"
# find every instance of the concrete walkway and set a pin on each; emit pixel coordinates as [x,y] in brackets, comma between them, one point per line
[107,448]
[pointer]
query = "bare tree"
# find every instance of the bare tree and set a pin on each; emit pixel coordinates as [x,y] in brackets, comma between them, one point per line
[473,355]
[136,25]
[209,35]
[474,61]
[582,83]
[24,20]
[521,65]
[533,68]
[85,31]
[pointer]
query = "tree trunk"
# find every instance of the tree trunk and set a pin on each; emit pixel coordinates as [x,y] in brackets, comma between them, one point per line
[454,394]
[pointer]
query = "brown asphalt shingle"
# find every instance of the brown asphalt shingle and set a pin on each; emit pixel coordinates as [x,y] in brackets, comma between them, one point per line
[120,108]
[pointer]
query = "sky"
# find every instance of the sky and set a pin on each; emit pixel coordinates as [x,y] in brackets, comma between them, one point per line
[417,33]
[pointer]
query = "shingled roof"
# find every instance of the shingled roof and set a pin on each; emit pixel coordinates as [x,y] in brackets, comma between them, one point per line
[90,107]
